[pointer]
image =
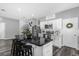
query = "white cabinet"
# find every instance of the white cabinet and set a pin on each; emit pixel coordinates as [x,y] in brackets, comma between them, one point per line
[48,49]
[37,51]
[45,50]
[57,36]
[58,41]
[57,27]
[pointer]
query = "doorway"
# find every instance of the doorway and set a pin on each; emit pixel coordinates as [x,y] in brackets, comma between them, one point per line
[70,29]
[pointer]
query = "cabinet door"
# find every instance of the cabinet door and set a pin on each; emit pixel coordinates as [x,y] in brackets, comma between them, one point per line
[48,50]
[38,51]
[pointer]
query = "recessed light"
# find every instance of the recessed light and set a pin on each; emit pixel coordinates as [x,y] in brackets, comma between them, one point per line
[32,15]
[19,9]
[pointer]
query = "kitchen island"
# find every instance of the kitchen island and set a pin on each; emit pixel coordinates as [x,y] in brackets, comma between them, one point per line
[44,49]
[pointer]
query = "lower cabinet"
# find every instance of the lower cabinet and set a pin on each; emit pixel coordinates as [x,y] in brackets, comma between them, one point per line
[45,50]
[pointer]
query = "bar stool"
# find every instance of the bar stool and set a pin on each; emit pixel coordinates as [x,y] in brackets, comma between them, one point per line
[27,50]
[17,45]
[22,49]
[13,49]
[19,49]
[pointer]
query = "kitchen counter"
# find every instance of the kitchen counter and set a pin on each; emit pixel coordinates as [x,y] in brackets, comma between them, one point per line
[6,38]
[37,43]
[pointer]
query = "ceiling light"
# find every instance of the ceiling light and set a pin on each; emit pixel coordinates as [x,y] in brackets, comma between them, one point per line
[32,15]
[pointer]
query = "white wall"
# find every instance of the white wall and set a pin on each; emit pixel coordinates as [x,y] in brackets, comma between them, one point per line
[11,27]
[2,30]
[24,22]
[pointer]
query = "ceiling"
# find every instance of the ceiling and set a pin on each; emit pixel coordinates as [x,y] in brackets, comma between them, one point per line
[28,10]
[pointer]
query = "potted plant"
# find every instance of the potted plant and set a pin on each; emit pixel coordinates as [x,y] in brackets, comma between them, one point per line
[27,33]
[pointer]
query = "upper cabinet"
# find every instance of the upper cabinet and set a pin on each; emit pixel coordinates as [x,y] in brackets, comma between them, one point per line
[51,24]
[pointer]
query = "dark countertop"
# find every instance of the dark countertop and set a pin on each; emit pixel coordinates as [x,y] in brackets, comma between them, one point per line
[37,43]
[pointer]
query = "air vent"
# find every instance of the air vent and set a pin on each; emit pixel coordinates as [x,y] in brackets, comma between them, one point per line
[3,10]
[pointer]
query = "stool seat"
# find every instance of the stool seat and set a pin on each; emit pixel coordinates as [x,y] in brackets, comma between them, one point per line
[27,46]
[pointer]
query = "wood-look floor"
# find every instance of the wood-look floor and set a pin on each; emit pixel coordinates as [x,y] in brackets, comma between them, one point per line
[65,51]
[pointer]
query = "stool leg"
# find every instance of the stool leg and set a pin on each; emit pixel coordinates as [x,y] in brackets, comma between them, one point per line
[22,53]
[26,53]
[30,51]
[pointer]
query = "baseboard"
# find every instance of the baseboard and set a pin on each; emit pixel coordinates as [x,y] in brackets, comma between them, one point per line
[77,48]
[71,47]
[57,46]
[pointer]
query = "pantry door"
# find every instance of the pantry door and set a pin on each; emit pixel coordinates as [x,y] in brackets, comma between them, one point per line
[70,29]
